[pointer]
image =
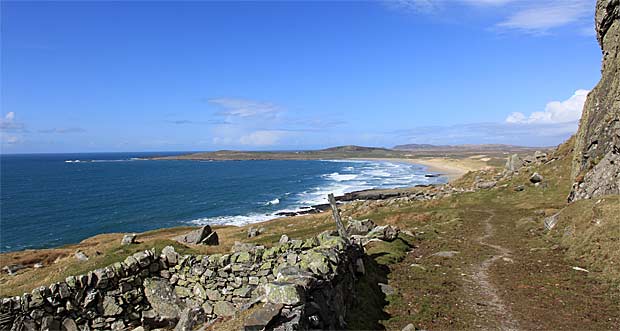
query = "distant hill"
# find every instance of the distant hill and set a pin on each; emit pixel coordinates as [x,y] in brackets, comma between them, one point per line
[466,147]
[339,152]
[354,148]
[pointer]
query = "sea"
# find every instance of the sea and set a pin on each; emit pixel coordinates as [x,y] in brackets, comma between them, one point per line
[50,200]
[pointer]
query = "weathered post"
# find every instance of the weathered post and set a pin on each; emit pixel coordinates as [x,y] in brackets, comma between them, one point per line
[341,230]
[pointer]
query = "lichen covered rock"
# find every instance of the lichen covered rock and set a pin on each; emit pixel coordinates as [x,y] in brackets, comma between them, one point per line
[596,170]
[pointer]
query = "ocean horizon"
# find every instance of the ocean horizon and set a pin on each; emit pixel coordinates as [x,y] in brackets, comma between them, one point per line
[50,200]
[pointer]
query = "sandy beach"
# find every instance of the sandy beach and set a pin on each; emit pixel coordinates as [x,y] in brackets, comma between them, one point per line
[451,168]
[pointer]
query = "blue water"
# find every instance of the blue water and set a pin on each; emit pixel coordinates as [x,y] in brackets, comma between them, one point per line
[48,200]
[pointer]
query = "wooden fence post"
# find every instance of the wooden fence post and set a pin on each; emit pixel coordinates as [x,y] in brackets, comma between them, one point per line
[341,230]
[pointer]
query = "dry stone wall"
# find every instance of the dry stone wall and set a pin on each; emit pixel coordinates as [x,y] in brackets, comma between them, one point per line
[305,283]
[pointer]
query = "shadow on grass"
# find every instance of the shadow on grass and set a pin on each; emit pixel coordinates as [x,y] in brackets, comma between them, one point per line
[367,310]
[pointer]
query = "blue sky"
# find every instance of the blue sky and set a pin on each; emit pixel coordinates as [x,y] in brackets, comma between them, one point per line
[163,76]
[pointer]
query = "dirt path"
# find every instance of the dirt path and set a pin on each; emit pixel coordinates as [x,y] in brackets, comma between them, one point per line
[490,307]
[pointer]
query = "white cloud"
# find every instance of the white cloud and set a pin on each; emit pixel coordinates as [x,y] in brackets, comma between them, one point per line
[488,2]
[262,138]
[489,133]
[10,140]
[424,6]
[428,6]
[233,107]
[565,111]
[8,123]
[533,17]
[63,130]
[246,122]
[546,15]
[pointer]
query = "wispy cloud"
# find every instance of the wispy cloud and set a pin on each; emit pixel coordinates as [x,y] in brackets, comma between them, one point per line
[531,17]
[263,137]
[488,2]
[235,107]
[556,122]
[247,122]
[8,123]
[11,131]
[432,6]
[422,6]
[565,111]
[542,16]
[63,130]
[210,122]
[506,133]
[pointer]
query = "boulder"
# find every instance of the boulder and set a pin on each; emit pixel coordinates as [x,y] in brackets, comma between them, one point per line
[253,232]
[81,256]
[260,319]
[22,323]
[283,239]
[602,179]
[315,261]
[387,289]
[513,163]
[118,325]
[446,254]
[111,306]
[169,256]
[129,239]
[284,293]
[68,324]
[541,157]
[486,184]
[384,232]
[151,320]
[224,308]
[536,178]
[213,295]
[195,237]
[49,323]
[361,227]
[190,318]
[91,298]
[242,247]
[211,239]
[551,221]
[163,299]
[11,269]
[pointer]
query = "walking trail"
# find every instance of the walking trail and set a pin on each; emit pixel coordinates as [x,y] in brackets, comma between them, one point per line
[490,307]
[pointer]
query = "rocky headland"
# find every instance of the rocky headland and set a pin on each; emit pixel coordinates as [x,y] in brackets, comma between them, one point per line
[596,164]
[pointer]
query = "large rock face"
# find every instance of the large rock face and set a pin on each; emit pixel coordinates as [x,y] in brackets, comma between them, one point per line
[596,164]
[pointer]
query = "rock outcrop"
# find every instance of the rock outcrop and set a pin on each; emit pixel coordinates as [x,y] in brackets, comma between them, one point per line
[596,163]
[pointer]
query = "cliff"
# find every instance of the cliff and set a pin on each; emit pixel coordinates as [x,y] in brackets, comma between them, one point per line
[596,163]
